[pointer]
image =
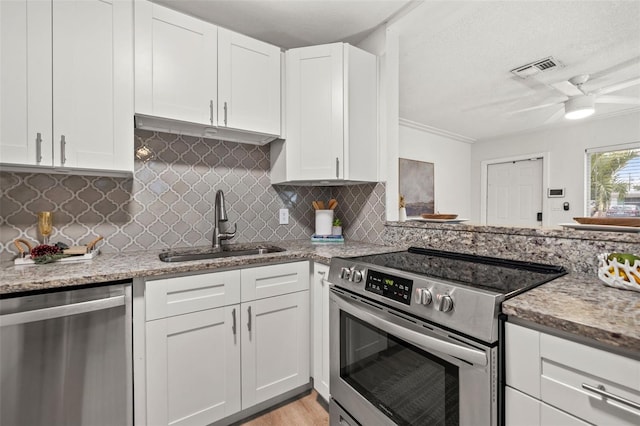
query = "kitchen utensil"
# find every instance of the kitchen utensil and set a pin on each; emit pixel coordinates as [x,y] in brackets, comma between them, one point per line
[321,205]
[315,205]
[333,203]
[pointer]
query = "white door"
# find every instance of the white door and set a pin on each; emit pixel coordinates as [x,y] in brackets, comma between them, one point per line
[248,83]
[514,193]
[193,367]
[315,112]
[275,346]
[25,82]
[320,298]
[176,71]
[93,84]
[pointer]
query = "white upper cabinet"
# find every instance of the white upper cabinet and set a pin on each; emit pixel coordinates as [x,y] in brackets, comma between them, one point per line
[197,79]
[331,118]
[176,70]
[67,84]
[25,83]
[248,83]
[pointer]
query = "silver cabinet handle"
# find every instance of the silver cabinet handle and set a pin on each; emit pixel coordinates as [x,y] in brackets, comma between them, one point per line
[38,147]
[233,327]
[337,167]
[225,113]
[63,149]
[249,320]
[61,311]
[600,390]
[211,111]
[323,275]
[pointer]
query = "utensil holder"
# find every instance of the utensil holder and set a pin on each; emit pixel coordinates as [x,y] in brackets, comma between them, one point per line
[324,222]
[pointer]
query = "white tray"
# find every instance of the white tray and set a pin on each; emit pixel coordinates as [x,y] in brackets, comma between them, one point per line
[74,258]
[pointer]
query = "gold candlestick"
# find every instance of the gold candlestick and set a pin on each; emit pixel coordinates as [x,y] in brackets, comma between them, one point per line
[45,225]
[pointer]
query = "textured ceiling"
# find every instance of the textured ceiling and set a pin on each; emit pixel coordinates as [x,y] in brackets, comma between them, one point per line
[456,56]
[294,23]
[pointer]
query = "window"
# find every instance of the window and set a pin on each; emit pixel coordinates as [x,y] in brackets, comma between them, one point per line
[613,182]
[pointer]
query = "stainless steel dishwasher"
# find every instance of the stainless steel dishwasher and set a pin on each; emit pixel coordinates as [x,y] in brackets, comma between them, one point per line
[65,357]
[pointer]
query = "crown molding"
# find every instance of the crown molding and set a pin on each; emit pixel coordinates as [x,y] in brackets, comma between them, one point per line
[435,131]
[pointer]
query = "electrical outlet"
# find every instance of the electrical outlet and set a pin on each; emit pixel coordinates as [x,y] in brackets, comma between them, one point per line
[284,216]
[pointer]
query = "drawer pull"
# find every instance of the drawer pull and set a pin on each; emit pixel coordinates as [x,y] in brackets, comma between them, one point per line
[603,393]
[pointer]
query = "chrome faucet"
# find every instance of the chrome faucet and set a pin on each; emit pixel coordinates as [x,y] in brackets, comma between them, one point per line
[220,215]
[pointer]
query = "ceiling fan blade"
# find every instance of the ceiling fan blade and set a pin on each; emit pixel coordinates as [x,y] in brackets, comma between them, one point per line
[566,88]
[556,116]
[622,65]
[618,86]
[624,100]
[533,108]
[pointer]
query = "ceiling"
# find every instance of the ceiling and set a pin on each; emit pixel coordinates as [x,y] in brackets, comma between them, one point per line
[456,56]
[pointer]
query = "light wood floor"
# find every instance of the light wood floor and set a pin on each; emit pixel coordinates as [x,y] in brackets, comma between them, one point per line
[305,411]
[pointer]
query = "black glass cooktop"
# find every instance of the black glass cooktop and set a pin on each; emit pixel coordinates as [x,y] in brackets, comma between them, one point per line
[509,277]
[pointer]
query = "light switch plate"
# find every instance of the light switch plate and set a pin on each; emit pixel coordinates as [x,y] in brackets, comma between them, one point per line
[284,216]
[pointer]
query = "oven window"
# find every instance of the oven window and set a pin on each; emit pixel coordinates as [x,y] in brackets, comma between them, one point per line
[411,386]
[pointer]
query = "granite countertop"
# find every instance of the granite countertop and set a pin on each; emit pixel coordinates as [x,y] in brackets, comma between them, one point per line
[583,306]
[577,304]
[127,265]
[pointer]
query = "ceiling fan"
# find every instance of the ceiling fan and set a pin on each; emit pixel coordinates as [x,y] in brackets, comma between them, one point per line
[580,103]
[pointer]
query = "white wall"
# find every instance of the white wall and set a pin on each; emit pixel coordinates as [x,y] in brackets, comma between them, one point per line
[452,161]
[566,147]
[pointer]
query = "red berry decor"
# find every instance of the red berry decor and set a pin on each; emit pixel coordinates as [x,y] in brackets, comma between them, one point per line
[44,250]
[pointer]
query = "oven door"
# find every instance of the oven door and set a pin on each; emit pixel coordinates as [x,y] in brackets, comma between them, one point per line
[389,368]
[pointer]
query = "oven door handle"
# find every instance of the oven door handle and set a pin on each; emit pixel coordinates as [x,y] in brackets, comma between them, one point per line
[427,343]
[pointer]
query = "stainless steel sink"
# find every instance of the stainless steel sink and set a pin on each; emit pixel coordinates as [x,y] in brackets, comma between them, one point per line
[183,255]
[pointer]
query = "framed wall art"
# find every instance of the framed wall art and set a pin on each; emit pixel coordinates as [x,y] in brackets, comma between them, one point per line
[417,186]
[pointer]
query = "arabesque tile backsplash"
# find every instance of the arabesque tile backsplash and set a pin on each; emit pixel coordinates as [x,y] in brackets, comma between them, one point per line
[169,201]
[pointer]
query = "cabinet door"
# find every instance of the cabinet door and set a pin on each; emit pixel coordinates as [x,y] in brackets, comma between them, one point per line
[520,409]
[93,84]
[275,346]
[193,367]
[315,112]
[320,297]
[248,83]
[176,71]
[25,82]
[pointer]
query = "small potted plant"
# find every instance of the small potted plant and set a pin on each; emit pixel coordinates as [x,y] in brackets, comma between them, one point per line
[336,229]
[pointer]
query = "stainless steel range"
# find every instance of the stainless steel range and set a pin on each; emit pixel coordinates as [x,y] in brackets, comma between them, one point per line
[414,335]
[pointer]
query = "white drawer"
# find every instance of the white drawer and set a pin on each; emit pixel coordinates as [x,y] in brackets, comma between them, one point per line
[566,366]
[176,296]
[274,280]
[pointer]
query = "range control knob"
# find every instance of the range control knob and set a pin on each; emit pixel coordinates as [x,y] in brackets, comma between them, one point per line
[422,296]
[345,273]
[445,303]
[356,276]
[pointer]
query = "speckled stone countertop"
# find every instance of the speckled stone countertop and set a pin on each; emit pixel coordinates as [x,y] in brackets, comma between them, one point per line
[575,303]
[127,265]
[583,306]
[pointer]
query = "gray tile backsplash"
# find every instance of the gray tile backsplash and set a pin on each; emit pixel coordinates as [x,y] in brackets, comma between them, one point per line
[169,201]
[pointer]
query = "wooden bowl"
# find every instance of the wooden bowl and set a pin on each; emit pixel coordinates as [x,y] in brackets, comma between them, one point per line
[438,216]
[615,221]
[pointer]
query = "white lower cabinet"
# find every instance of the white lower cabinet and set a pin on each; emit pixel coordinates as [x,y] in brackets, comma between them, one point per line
[320,322]
[555,381]
[208,355]
[275,346]
[193,367]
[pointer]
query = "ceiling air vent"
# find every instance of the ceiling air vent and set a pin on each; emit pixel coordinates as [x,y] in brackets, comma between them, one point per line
[536,67]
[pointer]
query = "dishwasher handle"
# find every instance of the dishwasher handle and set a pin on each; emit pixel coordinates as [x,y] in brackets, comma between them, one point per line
[61,311]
